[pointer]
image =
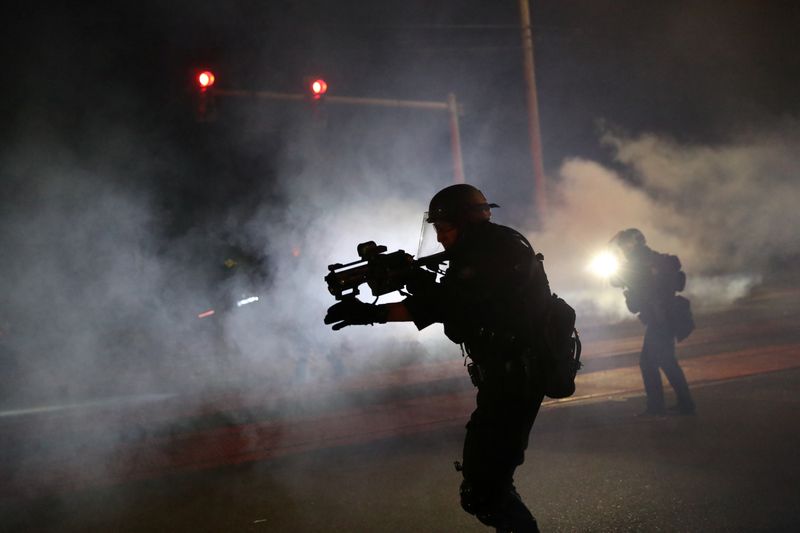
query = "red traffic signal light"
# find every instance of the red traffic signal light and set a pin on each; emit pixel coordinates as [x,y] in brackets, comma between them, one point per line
[318,88]
[205,98]
[205,79]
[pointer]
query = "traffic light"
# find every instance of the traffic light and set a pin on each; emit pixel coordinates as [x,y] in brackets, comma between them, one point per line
[206,110]
[318,88]
[205,80]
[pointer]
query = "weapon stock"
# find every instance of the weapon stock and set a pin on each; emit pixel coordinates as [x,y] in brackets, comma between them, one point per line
[382,272]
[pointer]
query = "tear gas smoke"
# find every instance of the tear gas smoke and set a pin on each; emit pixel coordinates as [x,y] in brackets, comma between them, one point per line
[106,307]
[734,205]
[727,211]
[92,276]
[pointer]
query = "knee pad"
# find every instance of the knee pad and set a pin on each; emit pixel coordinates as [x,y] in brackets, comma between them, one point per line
[469,501]
[479,504]
[502,509]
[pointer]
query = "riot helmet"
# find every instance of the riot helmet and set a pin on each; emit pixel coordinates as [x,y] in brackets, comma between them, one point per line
[629,237]
[459,204]
[629,242]
[451,210]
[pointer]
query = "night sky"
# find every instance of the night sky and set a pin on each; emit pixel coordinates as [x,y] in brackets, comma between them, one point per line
[111,82]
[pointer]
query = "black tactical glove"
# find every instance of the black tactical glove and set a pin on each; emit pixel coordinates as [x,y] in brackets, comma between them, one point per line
[352,311]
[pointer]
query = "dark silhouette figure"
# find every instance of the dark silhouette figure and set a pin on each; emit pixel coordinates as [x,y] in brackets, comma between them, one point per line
[650,280]
[492,291]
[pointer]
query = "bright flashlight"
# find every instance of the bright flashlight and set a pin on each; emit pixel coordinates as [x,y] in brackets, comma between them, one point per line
[604,264]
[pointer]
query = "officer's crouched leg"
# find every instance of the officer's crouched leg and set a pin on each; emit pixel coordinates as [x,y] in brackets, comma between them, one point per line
[501,509]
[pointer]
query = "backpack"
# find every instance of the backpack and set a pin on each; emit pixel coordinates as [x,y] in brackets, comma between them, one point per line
[679,309]
[562,354]
[554,320]
[680,317]
[671,265]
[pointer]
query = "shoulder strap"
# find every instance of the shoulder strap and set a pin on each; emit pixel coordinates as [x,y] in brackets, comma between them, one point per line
[525,241]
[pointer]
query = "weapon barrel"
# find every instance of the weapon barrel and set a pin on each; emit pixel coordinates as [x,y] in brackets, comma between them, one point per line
[432,260]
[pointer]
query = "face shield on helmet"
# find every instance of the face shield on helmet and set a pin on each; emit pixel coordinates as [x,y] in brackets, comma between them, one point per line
[428,243]
[450,211]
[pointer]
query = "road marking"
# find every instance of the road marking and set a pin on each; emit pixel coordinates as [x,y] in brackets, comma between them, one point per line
[358,424]
[100,403]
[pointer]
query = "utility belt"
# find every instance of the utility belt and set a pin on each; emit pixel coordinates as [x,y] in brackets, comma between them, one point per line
[496,355]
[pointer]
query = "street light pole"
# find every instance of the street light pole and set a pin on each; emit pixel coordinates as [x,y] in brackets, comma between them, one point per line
[533,111]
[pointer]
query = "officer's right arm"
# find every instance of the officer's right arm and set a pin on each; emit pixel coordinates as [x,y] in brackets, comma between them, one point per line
[424,308]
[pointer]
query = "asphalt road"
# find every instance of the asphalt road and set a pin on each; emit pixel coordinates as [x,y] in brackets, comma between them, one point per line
[591,467]
[381,460]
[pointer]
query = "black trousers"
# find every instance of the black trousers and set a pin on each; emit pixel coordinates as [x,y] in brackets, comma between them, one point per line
[658,352]
[495,443]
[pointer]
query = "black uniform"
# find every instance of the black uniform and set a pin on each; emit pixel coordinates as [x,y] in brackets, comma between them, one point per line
[651,280]
[487,300]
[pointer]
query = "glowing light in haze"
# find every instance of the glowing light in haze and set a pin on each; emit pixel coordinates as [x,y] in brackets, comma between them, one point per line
[605,264]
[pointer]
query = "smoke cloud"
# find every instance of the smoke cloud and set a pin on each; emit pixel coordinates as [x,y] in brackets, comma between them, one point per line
[103,301]
[734,204]
[728,211]
[100,300]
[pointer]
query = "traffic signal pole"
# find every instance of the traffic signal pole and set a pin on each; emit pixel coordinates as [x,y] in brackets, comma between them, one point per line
[451,106]
[533,111]
[455,139]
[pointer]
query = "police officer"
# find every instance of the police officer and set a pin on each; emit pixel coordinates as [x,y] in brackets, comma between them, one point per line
[650,280]
[492,290]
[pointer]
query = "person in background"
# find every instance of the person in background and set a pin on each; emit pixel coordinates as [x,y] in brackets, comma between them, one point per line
[650,281]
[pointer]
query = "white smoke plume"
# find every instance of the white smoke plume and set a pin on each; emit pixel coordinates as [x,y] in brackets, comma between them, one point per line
[735,205]
[728,211]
